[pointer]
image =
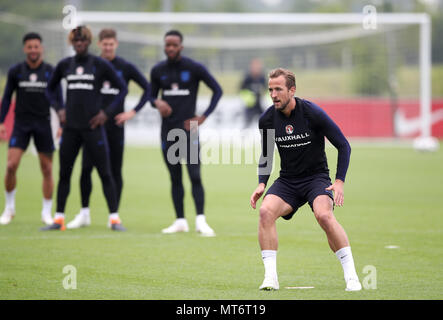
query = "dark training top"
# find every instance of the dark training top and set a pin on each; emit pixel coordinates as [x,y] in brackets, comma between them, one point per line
[127,71]
[30,85]
[85,76]
[300,140]
[179,81]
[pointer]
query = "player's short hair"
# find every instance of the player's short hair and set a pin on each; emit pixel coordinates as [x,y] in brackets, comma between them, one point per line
[107,33]
[80,32]
[289,76]
[32,36]
[174,33]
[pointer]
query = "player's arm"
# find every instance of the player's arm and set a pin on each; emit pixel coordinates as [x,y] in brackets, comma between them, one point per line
[54,94]
[135,74]
[109,74]
[6,102]
[162,106]
[217,92]
[339,141]
[266,159]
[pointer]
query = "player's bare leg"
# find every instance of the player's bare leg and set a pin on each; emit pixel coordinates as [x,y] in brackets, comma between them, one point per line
[14,156]
[271,209]
[337,239]
[48,186]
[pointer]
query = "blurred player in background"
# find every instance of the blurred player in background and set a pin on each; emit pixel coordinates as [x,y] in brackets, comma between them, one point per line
[300,128]
[114,126]
[251,89]
[32,119]
[84,120]
[178,77]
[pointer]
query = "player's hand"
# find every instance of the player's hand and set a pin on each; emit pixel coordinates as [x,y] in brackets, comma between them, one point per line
[198,119]
[98,120]
[2,132]
[62,116]
[59,133]
[124,116]
[337,187]
[258,192]
[163,107]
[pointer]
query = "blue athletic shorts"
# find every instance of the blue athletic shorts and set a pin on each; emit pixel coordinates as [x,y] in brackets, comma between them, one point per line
[296,192]
[40,130]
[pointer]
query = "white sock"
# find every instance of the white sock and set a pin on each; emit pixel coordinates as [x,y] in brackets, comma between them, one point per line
[180,221]
[59,215]
[85,212]
[114,216]
[47,206]
[200,219]
[270,262]
[10,199]
[344,255]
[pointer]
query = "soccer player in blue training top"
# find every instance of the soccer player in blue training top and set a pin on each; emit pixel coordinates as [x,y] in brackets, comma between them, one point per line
[32,119]
[299,128]
[114,126]
[178,77]
[84,120]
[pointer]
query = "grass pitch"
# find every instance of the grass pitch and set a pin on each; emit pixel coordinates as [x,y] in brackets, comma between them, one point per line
[393,197]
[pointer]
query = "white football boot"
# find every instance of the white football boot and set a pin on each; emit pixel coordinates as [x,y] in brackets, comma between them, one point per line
[179,225]
[202,226]
[46,218]
[270,284]
[7,216]
[353,285]
[80,220]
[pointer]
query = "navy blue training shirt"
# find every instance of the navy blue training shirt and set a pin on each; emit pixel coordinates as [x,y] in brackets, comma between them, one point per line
[179,81]
[127,71]
[85,76]
[30,85]
[300,139]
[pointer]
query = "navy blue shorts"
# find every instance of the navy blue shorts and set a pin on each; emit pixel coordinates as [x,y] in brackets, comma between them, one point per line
[40,130]
[296,192]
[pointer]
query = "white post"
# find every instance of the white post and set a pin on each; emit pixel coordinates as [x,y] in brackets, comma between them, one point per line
[425,142]
[425,77]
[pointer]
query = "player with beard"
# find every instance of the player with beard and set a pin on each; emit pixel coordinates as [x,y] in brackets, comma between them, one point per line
[299,128]
[32,119]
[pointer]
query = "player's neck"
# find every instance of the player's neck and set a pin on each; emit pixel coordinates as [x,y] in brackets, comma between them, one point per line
[82,55]
[291,106]
[175,60]
[34,64]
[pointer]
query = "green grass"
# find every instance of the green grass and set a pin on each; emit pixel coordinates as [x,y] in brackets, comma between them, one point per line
[392,197]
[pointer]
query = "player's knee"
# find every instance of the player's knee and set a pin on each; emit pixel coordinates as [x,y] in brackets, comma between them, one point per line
[47,170]
[266,215]
[11,167]
[325,218]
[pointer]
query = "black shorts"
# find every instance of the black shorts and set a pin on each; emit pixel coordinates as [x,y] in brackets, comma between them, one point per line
[40,130]
[296,192]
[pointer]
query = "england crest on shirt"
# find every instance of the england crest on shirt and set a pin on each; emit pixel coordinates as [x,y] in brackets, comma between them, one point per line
[289,129]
